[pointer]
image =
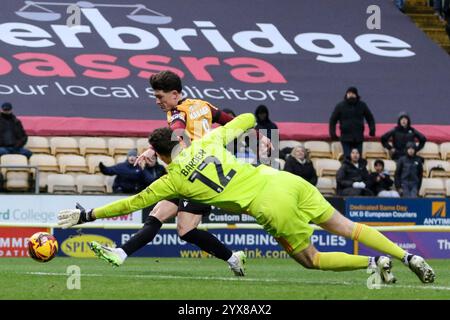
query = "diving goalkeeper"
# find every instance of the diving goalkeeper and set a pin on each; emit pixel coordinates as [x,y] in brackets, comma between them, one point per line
[281,202]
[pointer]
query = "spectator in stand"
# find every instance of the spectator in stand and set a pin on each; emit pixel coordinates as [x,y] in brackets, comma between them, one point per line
[263,121]
[352,178]
[351,113]
[408,176]
[381,182]
[401,135]
[12,134]
[298,163]
[130,178]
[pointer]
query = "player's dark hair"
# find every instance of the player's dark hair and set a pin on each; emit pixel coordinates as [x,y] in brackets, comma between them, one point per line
[378,162]
[166,81]
[161,141]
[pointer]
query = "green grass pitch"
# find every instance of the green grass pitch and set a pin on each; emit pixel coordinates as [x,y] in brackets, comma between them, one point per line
[205,279]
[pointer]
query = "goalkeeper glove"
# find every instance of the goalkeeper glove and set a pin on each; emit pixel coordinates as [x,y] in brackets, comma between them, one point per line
[71,217]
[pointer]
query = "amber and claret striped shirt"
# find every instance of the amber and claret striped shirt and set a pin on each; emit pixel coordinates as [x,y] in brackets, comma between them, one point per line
[196,117]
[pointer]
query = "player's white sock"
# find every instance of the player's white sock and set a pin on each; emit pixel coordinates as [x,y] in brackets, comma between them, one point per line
[233,259]
[121,253]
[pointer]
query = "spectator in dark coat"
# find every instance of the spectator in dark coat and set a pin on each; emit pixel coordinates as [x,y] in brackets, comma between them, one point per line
[263,121]
[351,114]
[381,182]
[408,176]
[130,178]
[299,164]
[352,178]
[400,136]
[12,134]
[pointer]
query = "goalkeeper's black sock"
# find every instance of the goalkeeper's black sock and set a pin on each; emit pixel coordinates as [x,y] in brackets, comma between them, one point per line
[143,236]
[209,243]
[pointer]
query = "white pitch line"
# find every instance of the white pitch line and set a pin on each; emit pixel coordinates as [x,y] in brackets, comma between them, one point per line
[424,287]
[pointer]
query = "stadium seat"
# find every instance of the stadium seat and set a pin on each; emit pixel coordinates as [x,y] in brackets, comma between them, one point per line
[281,163]
[94,159]
[430,151]
[64,145]
[92,145]
[336,150]
[61,183]
[109,181]
[142,145]
[120,158]
[43,179]
[432,187]
[45,162]
[120,145]
[374,150]
[445,151]
[72,163]
[318,149]
[17,181]
[13,160]
[437,168]
[38,144]
[289,144]
[326,167]
[90,183]
[447,186]
[326,186]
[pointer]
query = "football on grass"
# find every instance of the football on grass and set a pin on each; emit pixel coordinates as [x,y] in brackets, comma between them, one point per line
[42,246]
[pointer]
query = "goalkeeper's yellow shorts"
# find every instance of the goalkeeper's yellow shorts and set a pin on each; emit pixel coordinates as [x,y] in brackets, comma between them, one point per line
[286,206]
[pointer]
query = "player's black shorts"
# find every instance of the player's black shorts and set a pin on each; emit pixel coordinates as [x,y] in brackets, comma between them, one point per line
[192,207]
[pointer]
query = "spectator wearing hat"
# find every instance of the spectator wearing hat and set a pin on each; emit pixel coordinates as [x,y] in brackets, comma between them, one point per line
[408,176]
[350,113]
[395,140]
[12,134]
[298,163]
[381,181]
[352,178]
[130,178]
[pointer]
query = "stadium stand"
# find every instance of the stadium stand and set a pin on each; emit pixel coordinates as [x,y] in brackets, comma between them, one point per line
[445,151]
[94,160]
[38,144]
[120,146]
[72,163]
[318,149]
[430,151]
[326,167]
[374,150]
[432,187]
[326,185]
[90,184]
[437,169]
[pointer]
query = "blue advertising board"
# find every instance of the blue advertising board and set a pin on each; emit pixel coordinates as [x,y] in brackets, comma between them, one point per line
[256,243]
[384,211]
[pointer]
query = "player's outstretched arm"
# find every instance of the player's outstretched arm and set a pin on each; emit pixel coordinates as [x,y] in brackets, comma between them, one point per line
[157,191]
[234,128]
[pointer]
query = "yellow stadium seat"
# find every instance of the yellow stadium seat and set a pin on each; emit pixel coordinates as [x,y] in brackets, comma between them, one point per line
[17,181]
[336,150]
[318,149]
[120,145]
[326,186]
[432,187]
[38,144]
[430,151]
[13,160]
[61,183]
[94,160]
[326,167]
[445,151]
[64,145]
[142,145]
[289,144]
[93,145]
[45,162]
[72,163]
[447,186]
[90,183]
[374,150]
[437,168]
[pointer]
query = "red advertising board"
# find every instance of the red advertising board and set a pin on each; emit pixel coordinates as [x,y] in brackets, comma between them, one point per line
[14,240]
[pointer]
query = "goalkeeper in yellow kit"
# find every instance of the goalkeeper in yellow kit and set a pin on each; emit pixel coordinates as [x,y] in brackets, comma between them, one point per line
[281,202]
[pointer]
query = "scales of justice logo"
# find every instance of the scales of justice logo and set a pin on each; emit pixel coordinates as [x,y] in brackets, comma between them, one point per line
[44,11]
